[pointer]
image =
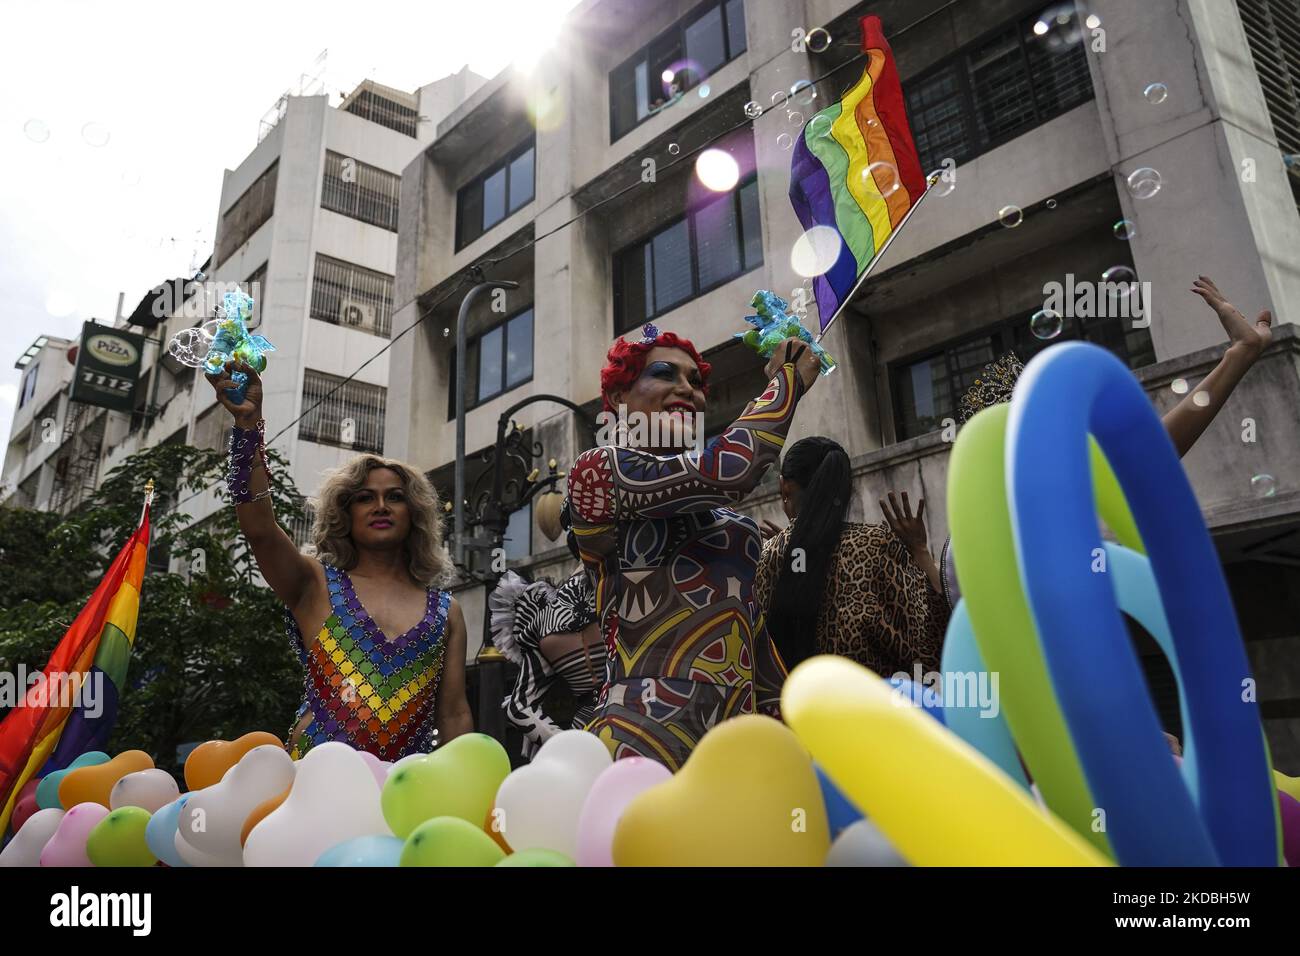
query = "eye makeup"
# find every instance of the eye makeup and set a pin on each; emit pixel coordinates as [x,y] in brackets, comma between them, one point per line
[667,371]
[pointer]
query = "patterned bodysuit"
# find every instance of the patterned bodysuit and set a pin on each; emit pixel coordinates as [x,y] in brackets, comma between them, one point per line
[674,571]
[363,688]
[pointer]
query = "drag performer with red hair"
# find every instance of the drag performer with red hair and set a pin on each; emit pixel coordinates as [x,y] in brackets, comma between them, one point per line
[674,566]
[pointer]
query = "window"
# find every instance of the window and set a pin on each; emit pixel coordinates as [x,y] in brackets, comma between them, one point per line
[491,196]
[29,386]
[927,390]
[674,62]
[687,258]
[1273,32]
[993,91]
[519,533]
[361,191]
[349,414]
[495,362]
[40,430]
[351,296]
[380,109]
[246,216]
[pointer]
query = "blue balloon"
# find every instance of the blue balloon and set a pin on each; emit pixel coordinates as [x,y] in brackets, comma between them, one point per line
[47,792]
[160,832]
[985,729]
[1068,392]
[363,851]
[840,811]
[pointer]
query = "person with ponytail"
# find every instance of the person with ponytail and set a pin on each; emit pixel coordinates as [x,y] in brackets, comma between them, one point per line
[869,592]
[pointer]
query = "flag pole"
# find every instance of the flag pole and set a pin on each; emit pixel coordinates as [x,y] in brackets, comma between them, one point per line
[148,500]
[929,183]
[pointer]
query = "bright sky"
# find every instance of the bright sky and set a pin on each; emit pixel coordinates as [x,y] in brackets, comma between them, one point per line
[140,106]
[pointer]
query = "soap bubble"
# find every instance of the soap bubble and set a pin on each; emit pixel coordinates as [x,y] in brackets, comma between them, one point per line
[1122,281]
[803,92]
[816,251]
[1179,386]
[794,116]
[1263,486]
[1051,204]
[209,329]
[189,347]
[95,135]
[717,170]
[673,149]
[704,91]
[1125,229]
[1201,399]
[1144,183]
[36,131]
[943,185]
[784,141]
[1046,324]
[753,110]
[819,125]
[1011,216]
[779,98]
[1156,93]
[884,176]
[1092,22]
[1058,27]
[817,40]
[446,332]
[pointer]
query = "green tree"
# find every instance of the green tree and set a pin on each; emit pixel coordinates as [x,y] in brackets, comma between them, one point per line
[211,658]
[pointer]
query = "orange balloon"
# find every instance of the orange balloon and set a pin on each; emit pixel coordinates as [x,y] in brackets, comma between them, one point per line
[261,812]
[495,834]
[94,784]
[208,762]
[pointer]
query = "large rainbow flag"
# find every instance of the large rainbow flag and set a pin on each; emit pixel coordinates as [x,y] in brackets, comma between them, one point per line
[49,730]
[833,182]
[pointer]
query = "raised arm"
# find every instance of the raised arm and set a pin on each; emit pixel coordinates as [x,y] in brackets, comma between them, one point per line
[291,574]
[1187,420]
[610,484]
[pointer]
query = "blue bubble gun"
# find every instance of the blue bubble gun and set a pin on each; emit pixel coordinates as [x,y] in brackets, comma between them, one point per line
[233,341]
[772,326]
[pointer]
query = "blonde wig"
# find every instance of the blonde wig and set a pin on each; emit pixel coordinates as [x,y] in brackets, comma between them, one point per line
[332,529]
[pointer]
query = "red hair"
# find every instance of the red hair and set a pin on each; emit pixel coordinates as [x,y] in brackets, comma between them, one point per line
[625,362]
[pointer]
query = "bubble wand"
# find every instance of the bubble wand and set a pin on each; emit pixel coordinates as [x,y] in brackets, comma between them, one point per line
[225,338]
[773,325]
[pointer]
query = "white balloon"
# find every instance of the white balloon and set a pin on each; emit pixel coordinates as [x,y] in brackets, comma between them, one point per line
[380,768]
[334,798]
[213,819]
[150,789]
[26,846]
[542,802]
[862,844]
[195,857]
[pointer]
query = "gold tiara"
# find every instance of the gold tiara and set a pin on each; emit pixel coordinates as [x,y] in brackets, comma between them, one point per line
[994,385]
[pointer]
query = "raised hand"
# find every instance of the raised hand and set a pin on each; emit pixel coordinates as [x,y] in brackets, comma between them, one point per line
[806,363]
[249,413]
[1243,337]
[909,528]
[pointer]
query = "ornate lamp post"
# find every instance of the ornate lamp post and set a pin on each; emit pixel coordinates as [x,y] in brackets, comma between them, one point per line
[490,508]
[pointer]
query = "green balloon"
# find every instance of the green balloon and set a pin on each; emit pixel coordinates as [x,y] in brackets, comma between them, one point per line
[984,554]
[1111,504]
[537,857]
[459,779]
[118,839]
[449,841]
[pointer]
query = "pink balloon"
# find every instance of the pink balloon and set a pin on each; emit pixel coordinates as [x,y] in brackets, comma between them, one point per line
[25,805]
[605,803]
[68,845]
[377,767]
[1290,813]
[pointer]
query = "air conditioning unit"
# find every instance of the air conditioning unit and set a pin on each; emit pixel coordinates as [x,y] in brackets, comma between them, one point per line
[356,314]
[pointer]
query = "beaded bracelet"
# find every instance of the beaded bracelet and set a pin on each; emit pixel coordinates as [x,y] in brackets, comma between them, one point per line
[247,448]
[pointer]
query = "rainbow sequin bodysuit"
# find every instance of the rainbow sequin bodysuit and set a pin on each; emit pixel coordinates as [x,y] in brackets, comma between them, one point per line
[363,688]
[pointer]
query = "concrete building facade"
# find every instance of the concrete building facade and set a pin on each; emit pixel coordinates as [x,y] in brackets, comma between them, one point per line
[1048,116]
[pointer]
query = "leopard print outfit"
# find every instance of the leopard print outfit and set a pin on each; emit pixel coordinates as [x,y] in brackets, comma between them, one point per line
[878,607]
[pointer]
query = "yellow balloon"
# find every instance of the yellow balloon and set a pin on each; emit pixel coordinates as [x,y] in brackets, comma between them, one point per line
[938,800]
[746,796]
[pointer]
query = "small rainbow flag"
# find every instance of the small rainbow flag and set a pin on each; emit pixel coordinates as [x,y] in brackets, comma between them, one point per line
[98,643]
[855,170]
